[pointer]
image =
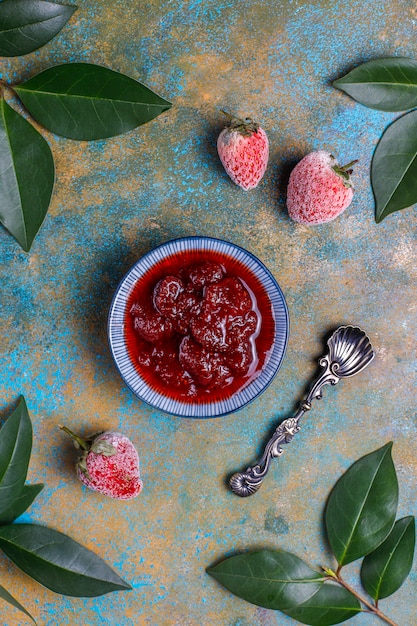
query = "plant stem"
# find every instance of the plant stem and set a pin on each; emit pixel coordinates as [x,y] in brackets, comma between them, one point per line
[372,608]
[347,167]
[5,86]
[81,443]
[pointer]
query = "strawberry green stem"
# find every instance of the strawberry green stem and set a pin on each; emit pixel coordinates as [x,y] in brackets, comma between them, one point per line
[82,443]
[345,171]
[229,117]
[245,127]
[345,168]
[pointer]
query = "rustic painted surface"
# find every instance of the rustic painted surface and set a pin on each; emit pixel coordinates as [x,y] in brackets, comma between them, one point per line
[116,199]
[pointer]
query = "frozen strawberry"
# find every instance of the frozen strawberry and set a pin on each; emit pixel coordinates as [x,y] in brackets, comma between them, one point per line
[244,151]
[109,464]
[150,325]
[319,189]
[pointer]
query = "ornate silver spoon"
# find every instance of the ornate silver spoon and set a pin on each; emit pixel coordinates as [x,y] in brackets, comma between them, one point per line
[350,351]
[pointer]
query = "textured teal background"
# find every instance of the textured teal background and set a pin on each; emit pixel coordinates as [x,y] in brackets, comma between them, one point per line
[116,199]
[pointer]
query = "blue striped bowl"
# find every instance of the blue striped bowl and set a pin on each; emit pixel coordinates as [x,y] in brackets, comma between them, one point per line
[117,340]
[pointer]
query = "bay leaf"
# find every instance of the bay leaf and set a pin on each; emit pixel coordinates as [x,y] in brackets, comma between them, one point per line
[85,102]
[15,449]
[394,167]
[26,25]
[361,508]
[331,604]
[20,503]
[387,84]
[58,562]
[7,597]
[385,569]
[282,581]
[26,176]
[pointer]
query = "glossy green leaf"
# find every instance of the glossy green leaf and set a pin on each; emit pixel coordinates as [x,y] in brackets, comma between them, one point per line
[384,570]
[15,449]
[26,176]
[26,25]
[331,604]
[58,562]
[20,503]
[394,167]
[272,579]
[388,84]
[361,509]
[7,597]
[282,581]
[84,101]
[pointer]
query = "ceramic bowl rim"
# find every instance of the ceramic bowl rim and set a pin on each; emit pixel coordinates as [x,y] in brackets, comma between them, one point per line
[285,329]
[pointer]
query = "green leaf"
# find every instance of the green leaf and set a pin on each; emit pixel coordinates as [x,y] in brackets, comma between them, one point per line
[384,570]
[386,84]
[20,504]
[26,25]
[83,101]
[58,562]
[331,604]
[361,508]
[26,176]
[282,581]
[394,167]
[272,579]
[5,595]
[15,449]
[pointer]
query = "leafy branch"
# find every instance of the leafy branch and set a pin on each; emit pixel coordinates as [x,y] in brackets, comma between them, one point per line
[372,608]
[46,555]
[78,101]
[389,84]
[360,522]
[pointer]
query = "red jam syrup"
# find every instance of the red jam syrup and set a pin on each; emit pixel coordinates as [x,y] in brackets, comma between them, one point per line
[199,326]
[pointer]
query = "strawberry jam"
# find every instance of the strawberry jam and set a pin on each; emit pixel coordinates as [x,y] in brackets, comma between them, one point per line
[199,326]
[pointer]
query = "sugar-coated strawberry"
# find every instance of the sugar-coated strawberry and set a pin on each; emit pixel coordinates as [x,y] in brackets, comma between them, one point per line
[109,464]
[319,189]
[244,150]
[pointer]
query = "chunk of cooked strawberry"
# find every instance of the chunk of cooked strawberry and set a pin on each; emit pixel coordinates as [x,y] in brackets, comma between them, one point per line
[165,295]
[168,366]
[207,368]
[205,274]
[239,329]
[150,325]
[240,359]
[229,296]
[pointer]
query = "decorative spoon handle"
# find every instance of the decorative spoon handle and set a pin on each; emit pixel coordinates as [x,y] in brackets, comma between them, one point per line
[350,351]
